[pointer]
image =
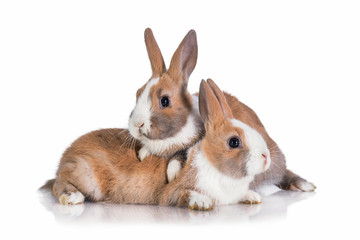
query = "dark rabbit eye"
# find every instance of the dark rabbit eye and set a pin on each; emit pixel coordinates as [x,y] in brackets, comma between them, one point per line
[165,102]
[234,142]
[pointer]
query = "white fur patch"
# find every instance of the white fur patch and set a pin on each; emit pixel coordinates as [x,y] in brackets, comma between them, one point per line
[225,189]
[257,147]
[222,188]
[142,115]
[251,197]
[184,136]
[76,198]
[142,112]
[72,199]
[200,201]
[306,186]
[173,169]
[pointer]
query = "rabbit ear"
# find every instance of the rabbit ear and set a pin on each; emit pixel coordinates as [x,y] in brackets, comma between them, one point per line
[221,98]
[209,106]
[156,59]
[184,59]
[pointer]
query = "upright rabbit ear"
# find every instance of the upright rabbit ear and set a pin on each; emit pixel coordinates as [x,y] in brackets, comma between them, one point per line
[209,106]
[221,98]
[156,59]
[184,59]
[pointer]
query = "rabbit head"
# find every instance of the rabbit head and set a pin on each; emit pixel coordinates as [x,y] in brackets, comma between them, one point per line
[231,146]
[164,119]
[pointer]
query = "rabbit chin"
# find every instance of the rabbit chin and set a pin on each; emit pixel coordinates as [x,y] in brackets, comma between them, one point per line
[188,135]
[142,112]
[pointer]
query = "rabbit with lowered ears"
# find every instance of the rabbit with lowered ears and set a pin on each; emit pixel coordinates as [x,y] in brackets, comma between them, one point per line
[221,166]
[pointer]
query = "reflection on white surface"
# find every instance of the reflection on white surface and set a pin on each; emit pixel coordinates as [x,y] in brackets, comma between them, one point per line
[274,205]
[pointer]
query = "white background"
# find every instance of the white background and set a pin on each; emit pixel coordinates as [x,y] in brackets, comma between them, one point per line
[69,67]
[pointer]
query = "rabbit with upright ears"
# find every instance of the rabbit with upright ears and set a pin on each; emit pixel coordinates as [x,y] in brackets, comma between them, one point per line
[166,118]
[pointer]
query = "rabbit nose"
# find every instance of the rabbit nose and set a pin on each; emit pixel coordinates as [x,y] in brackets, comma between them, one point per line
[139,125]
[264,156]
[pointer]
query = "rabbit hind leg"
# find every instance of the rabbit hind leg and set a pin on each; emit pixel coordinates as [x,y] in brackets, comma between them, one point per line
[67,193]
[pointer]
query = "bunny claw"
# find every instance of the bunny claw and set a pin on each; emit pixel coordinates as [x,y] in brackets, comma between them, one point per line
[198,201]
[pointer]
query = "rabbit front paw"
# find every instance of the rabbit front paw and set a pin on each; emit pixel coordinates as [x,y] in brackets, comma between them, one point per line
[173,169]
[198,201]
[251,197]
[143,153]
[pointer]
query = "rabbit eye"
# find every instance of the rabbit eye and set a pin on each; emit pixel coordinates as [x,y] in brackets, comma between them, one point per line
[234,142]
[165,102]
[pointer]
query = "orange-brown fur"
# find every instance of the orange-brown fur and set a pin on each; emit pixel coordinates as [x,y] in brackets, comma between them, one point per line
[227,161]
[123,179]
[277,169]
[216,114]
[172,83]
[109,157]
[177,192]
[103,164]
[157,62]
[245,114]
[119,175]
[174,117]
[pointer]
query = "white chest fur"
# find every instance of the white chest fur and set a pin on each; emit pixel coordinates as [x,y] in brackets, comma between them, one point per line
[185,136]
[221,188]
